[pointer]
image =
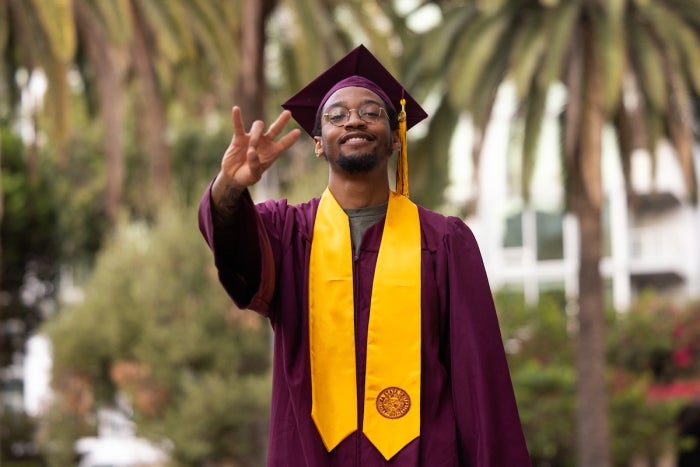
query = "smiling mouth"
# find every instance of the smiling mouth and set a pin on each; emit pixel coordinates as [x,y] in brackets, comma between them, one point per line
[356,139]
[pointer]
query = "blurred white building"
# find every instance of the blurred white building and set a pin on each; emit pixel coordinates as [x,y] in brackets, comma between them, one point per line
[534,249]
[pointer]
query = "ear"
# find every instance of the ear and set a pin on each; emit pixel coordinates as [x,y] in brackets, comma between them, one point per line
[318,145]
[395,141]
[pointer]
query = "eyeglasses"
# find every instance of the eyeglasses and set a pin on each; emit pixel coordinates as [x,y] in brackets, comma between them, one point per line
[368,113]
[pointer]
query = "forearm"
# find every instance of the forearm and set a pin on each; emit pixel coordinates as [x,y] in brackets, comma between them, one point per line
[234,237]
[225,198]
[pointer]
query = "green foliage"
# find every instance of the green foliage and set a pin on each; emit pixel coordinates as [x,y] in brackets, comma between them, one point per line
[197,158]
[540,357]
[224,420]
[79,191]
[59,428]
[640,427]
[545,395]
[658,337]
[28,245]
[16,432]
[541,360]
[29,214]
[534,332]
[156,326]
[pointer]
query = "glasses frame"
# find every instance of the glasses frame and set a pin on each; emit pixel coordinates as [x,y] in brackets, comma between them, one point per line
[362,117]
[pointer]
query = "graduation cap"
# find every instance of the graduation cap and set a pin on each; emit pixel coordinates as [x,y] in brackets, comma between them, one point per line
[359,68]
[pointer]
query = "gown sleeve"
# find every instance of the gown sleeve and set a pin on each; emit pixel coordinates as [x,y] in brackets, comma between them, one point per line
[242,252]
[488,425]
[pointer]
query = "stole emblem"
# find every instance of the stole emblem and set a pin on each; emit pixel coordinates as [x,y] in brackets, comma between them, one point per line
[393,402]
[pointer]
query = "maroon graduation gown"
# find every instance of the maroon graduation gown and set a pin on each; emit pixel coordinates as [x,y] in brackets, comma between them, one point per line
[468,411]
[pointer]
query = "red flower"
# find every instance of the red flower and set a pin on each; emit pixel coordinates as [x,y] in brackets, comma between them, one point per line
[683,357]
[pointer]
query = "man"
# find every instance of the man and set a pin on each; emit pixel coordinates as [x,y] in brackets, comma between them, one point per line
[387,349]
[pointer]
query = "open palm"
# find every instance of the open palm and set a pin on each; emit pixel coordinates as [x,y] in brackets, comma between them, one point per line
[251,153]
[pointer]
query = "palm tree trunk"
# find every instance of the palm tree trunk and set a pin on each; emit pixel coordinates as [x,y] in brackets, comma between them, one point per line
[151,107]
[249,92]
[592,420]
[2,215]
[592,438]
[250,85]
[109,73]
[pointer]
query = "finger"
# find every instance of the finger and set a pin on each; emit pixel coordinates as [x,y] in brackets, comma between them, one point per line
[256,130]
[289,139]
[237,119]
[253,159]
[278,124]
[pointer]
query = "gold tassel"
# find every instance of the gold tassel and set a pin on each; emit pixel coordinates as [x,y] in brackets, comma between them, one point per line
[402,163]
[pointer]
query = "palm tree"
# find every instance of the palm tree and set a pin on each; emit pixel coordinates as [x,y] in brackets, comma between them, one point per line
[34,37]
[158,44]
[193,52]
[602,52]
[105,55]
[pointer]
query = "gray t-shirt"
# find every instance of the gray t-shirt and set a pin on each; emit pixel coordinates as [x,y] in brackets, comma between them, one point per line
[363,218]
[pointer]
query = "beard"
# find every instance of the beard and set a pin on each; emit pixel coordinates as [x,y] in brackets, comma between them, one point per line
[358,163]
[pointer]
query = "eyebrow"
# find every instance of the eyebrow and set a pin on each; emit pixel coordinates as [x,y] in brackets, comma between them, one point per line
[364,102]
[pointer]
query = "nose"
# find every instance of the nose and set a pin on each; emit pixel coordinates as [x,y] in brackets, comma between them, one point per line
[354,119]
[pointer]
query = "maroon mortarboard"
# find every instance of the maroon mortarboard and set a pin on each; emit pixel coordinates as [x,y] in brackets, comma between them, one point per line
[358,68]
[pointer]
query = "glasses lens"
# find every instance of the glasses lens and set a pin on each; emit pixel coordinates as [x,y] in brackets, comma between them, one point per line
[338,115]
[370,113]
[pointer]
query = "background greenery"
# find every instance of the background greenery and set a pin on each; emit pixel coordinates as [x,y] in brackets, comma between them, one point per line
[100,181]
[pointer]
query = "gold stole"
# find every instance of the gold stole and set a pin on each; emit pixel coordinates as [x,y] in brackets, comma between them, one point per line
[392,385]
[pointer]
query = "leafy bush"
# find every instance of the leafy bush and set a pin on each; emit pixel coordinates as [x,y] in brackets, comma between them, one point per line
[156,327]
[652,344]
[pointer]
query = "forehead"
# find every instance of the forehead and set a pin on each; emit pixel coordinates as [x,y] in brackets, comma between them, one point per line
[352,95]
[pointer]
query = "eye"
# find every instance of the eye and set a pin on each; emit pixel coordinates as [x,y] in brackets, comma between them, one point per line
[337,115]
[371,111]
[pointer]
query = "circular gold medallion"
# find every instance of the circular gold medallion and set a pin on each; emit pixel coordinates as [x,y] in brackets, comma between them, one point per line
[393,402]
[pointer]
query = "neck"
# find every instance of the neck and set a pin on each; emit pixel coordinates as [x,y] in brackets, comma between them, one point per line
[359,191]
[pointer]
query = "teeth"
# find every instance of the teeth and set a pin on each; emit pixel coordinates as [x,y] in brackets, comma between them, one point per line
[356,138]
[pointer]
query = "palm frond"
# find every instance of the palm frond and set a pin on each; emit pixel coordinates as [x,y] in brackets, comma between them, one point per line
[311,20]
[56,18]
[436,48]
[611,47]
[681,37]
[214,37]
[679,121]
[4,25]
[559,28]
[475,49]
[655,124]
[369,18]
[58,105]
[168,22]
[485,94]
[646,58]
[115,17]
[527,51]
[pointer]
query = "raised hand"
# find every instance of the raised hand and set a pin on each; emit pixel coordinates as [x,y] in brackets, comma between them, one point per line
[250,154]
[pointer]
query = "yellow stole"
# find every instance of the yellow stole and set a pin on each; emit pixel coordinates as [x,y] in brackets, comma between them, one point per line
[391,416]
